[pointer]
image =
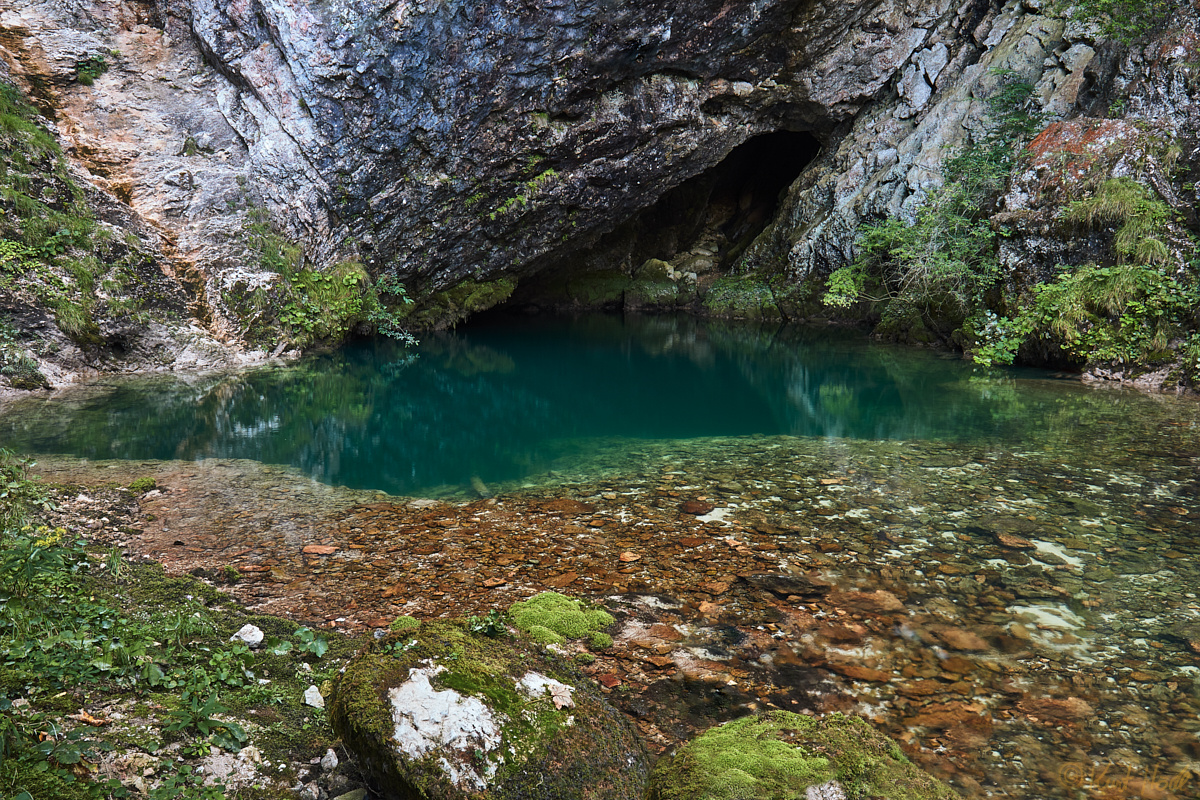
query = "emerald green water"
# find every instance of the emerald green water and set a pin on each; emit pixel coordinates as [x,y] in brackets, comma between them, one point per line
[501,401]
[1057,522]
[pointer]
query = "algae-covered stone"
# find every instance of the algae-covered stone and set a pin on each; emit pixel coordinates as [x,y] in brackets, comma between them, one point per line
[741,297]
[440,713]
[447,308]
[781,756]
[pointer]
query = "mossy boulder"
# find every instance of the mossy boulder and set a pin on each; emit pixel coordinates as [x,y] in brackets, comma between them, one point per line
[741,297]
[440,713]
[655,287]
[780,755]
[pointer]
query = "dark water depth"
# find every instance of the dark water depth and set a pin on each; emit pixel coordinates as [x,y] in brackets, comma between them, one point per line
[501,401]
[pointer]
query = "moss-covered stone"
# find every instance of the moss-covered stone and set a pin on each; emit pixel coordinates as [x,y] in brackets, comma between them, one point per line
[559,614]
[598,289]
[653,288]
[143,485]
[741,297]
[779,755]
[447,308]
[511,721]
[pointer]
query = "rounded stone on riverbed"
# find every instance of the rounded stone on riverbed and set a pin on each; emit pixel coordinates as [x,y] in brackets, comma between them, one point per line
[441,713]
[785,756]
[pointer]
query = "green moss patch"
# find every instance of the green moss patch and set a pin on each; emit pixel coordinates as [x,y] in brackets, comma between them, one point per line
[448,308]
[561,615]
[779,755]
[741,297]
[404,623]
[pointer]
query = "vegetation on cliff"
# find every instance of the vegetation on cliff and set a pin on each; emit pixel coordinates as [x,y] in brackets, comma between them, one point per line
[1131,300]
[60,265]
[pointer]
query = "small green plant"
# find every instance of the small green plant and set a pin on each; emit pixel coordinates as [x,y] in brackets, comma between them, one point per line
[184,783]
[198,705]
[20,494]
[90,68]
[310,642]
[528,189]
[493,624]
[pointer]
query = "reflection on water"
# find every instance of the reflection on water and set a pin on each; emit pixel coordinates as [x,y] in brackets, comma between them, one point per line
[499,401]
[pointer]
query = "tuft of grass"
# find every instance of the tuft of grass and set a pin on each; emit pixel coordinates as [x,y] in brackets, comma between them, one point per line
[1139,215]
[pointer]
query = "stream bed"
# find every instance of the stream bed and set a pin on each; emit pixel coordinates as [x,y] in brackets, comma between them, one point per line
[999,569]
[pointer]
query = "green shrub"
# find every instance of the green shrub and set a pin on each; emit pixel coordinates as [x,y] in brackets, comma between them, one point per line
[1124,21]
[1123,313]
[939,266]
[316,305]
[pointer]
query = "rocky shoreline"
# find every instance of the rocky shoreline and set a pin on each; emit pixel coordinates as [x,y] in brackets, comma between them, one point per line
[828,581]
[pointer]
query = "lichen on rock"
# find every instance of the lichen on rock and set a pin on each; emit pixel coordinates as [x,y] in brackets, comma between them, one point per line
[783,756]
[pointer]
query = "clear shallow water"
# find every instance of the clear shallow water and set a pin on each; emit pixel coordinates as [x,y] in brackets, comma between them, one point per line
[878,467]
[501,401]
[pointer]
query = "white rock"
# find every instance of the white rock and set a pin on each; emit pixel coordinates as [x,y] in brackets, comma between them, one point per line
[329,761]
[826,791]
[535,685]
[249,634]
[312,697]
[428,719]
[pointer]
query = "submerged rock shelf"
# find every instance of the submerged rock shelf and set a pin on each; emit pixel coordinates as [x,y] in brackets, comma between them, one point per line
[1017,618]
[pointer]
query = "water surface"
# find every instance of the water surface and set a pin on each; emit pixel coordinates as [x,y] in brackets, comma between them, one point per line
[500,401]
[1044,536]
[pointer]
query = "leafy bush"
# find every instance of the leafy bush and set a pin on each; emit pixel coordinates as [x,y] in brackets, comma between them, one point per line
[319,305]
[1123,21]
[938,266]
[1122,313]
[90,68]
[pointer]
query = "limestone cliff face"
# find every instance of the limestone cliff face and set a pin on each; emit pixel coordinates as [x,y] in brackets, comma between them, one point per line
[439,142]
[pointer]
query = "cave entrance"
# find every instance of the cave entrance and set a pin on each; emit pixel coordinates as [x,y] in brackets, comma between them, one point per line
[715,215]
[700,228]
[697,232]
[744,190]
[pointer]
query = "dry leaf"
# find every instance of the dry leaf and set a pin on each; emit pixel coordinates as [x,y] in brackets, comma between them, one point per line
[561,695]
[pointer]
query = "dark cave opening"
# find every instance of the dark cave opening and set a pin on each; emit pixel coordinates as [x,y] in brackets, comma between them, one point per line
[746,187]
[723,209]
[701,227]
